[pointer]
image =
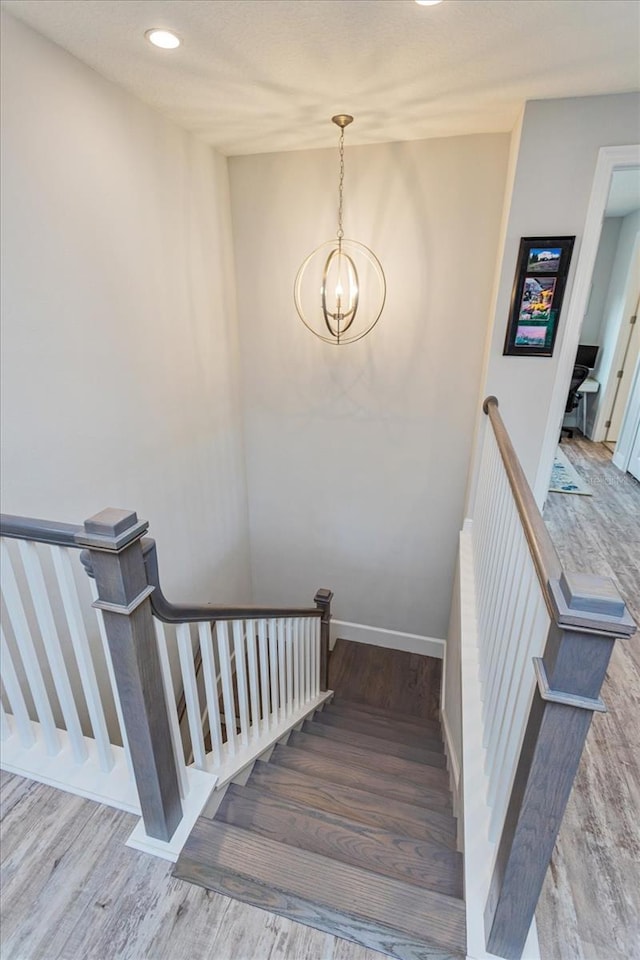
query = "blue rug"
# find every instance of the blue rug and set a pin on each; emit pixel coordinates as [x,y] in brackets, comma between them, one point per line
[565,478]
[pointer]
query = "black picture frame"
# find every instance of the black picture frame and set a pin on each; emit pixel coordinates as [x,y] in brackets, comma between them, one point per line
[537,295]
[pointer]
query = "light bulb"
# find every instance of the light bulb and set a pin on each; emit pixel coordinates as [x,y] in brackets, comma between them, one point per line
[427,3]
[163,39]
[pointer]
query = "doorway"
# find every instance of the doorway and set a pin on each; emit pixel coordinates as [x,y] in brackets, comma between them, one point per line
[599,316]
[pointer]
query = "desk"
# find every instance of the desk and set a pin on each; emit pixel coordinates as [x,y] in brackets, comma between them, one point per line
[590,385]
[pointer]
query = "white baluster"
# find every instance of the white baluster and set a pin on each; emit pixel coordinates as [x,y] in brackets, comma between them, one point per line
[211,689]
[307,659]
[49,634]
[5,730]
[281,704]
[264,673]
[254,691]
[172,707]
[14,695]
[112,679]
[190,686]
[241,680]
[288,624]
[27,651]
[80,643]
[312,656]
[521,689]
[498,520]
[483,531]
[514,662]
[317,655]
[297,658]
[222,635]
[502,595]
[273,672]
[509,629]
[504,523]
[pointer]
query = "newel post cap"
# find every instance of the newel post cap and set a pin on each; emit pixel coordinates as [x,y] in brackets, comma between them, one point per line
[112,530]
[586,600]
[323,597]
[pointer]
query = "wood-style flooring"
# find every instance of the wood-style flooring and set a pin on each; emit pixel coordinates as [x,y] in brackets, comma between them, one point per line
[590,905]
[387,679]
[71,890]
[348,826]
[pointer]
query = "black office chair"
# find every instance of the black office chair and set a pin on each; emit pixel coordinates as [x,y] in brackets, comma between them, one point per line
[578,377]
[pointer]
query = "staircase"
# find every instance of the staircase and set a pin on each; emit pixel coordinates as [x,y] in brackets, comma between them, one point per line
[348,827]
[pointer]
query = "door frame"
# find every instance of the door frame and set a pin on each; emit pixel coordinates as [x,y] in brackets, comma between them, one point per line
[609,159]
[620,359]
[630,424]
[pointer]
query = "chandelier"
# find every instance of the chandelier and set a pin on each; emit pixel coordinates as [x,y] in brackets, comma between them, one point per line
[340,288]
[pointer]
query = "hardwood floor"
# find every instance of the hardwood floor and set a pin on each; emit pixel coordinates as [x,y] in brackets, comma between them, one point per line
[71,890]
[388,679]
[590,905]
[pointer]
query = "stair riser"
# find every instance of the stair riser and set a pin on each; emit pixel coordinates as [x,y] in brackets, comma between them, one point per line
[366,741]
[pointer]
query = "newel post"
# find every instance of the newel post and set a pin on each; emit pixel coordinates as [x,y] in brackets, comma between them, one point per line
[589,616]
[322,601]
[112,539]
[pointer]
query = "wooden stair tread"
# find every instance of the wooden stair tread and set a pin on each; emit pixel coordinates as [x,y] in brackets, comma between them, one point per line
[333,769]
[369,741]
[384,914]
[430,733]
[384,712]
[418,862]
[375,809]
[409,770]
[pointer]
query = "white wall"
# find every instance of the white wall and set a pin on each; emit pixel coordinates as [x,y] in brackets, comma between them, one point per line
[357,456]
[119,378]
[625,260]
[559,146]
[592,325]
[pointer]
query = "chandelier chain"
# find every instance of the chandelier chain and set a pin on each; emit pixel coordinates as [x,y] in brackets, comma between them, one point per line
[341,186]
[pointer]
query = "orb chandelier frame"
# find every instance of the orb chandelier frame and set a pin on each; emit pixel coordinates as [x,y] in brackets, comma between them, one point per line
[338,315]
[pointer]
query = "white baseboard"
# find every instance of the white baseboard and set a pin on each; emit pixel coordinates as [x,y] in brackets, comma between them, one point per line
[115,788]
[201,786]
[394,639]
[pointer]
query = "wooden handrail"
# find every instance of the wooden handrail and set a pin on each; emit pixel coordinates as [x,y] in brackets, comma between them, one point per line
[545,558]
[39,531]
[72,535]
[190,613]
[587,614]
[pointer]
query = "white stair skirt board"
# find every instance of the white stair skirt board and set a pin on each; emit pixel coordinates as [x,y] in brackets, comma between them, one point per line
[394,639]
[479,850]
[453,763]
[201,785]
[231,768]
[87,779]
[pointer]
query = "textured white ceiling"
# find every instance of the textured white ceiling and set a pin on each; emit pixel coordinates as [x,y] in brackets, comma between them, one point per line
[262,75]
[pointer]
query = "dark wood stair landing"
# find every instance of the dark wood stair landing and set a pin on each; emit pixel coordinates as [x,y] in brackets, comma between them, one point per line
[347,828]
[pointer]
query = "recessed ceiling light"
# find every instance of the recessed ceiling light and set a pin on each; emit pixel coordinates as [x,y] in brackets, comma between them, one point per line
[162,38]
[427,3]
